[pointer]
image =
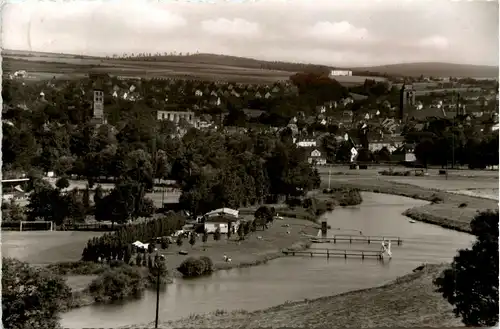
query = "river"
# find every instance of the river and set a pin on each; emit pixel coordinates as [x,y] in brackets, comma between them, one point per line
[294,278]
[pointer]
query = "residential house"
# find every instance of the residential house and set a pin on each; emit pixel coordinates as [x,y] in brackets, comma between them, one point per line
[176,116]
[306,143]
[315,157]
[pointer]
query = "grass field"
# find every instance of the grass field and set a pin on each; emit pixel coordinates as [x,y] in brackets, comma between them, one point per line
[208,67]
[46,67]
[45,247]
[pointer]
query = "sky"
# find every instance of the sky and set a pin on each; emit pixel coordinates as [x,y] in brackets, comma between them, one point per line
[330,32]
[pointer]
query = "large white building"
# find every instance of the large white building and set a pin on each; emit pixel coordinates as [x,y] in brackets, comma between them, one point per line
[340,73]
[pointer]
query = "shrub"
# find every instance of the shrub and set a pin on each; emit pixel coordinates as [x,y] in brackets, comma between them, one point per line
[204,238]
[209,265]
[77,268]
[347,196]
[37,302]
[180,240]
[193,267]
[463,205]
[164,243]
[435,199]
[117,283]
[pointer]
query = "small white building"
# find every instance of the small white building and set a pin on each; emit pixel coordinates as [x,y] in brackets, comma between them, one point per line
[219,218]
[340,73]
[306,143]
[316,158]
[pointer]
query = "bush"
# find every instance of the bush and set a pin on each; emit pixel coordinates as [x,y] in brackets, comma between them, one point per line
[194,267]
[117,283]
[463,205]
[435,199]
[209,265]
[164,243]
[37,302]
[346,196]
[77,268]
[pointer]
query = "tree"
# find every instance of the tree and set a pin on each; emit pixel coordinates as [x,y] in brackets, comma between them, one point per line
[205,236]
[180,240]
[424,152]
[241,232]
[471,284]
[47,203]
[138,259]
[31,298]
[384,155]
[217,234]
[262,216]
[62,183]
[192,239]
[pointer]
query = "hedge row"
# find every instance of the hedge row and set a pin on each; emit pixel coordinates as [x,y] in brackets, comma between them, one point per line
[117,245]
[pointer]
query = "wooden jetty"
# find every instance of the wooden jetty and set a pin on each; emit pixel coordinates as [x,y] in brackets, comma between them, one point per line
[357,238]
[329,252]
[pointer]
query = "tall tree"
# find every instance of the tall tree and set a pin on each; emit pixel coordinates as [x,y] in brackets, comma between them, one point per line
[471,284]
[31,298]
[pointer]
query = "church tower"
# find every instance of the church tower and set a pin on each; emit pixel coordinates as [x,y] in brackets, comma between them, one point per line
[98,107]
[406,101]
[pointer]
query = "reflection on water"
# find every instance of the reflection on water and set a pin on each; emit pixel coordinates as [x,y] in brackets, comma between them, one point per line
[294,278]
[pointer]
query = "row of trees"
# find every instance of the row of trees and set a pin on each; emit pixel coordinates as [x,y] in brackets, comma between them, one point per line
[117,245]
[445,141]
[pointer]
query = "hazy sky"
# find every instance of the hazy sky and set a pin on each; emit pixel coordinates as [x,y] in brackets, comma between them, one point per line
[331,32]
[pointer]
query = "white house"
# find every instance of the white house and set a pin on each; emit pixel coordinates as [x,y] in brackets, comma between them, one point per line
[306,143]
[221,222]
[340,73]
[315,157]
[219,218]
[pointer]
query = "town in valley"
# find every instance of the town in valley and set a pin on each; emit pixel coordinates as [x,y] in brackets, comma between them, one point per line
[172,185]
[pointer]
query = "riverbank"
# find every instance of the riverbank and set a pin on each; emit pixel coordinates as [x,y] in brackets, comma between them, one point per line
[258,248]
[408,301]
[448,210]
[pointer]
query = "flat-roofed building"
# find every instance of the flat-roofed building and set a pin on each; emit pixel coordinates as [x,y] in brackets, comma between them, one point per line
[175,116]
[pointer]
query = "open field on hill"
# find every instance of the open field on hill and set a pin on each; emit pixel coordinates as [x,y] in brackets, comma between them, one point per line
[409,301]
[39,67]
[45,247]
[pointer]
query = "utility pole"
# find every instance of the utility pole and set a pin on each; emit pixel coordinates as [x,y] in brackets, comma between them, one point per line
[329,177]
[158,266]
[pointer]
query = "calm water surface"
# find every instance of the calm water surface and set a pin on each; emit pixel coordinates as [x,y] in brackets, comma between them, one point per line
[294,278]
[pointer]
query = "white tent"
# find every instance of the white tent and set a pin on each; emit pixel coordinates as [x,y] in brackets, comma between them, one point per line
[141,245]
[223,211]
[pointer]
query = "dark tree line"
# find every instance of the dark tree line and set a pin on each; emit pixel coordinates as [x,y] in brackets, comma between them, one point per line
[117,245]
